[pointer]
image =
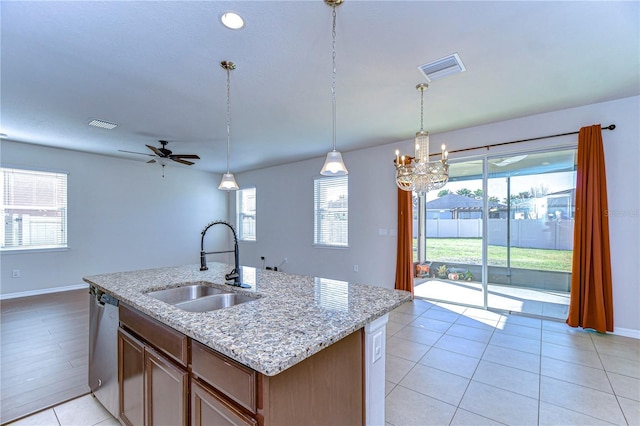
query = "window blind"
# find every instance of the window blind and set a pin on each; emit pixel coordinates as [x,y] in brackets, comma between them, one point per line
[246,214]
[331,211]
[34,206]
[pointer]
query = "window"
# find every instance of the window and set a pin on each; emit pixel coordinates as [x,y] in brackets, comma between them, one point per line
[246,214]
[34,206]
[331,211]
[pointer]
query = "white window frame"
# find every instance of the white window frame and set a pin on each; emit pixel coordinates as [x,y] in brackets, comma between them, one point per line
[41,233]
[327,230]
[243,218]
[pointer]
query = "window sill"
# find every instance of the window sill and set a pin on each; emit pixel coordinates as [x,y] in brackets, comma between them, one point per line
[326,246]
[33,250]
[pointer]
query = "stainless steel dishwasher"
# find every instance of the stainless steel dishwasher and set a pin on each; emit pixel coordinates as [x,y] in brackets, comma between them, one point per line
[103,349]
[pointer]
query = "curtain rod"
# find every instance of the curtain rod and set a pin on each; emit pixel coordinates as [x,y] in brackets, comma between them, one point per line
[609,127]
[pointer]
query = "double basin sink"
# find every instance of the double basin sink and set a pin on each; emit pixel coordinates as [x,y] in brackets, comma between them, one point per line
[200,297]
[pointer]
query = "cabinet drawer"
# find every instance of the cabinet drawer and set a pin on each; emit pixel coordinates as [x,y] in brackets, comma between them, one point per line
[232,379]
[207,408]
[165,339]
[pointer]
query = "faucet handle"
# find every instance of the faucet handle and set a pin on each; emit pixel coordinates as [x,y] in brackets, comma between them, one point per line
[233,275]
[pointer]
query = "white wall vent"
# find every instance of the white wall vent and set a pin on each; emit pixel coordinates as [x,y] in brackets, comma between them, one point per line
[443,67]
[103,124]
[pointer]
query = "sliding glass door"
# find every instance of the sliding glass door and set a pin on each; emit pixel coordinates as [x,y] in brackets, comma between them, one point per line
[454,238]
[499,235]
[530,238]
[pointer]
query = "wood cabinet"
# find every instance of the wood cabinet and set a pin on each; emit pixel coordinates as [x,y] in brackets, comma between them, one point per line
[166,378]
[167,391]
[210,408]
[152,374]
[131,378]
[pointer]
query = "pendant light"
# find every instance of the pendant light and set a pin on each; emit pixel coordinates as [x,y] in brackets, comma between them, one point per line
[333,165]
[228,182]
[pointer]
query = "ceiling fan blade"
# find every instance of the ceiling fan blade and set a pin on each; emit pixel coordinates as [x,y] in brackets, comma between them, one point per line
[156,150]
[185,156]
[139,153]
[151,161]
[179,160]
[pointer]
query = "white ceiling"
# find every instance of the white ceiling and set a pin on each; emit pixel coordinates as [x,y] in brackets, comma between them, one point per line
[153,68]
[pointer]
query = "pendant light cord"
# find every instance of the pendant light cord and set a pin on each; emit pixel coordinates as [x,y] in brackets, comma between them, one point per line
[228,117]
[333,81]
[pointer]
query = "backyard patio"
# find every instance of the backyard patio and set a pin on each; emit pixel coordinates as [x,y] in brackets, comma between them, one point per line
[526,301]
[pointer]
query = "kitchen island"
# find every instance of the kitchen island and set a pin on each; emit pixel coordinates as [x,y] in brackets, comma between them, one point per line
[298,326]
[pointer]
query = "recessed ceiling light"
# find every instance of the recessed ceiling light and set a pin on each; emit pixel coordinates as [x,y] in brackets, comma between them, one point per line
[232,20]
[102,124]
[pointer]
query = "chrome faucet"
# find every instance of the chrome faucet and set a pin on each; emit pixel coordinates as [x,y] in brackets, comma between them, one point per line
[232,277]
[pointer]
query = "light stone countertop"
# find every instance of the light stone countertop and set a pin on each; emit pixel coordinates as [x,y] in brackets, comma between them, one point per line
[295,316]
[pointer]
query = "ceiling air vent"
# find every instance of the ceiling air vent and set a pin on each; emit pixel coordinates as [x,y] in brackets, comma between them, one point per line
[442,67]
[102,124]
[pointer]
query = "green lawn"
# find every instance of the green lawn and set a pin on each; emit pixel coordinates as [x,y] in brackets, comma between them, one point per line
[469,251]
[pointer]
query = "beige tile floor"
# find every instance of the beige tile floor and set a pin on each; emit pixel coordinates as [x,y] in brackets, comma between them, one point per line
[451,365]
[83,411]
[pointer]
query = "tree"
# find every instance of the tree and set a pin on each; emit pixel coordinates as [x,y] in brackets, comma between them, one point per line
[466,192]
[478,194]
[443,192]
[539,191]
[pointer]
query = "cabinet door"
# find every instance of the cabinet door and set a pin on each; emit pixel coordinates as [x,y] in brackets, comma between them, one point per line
[131,379]
[207,408]
[166,391]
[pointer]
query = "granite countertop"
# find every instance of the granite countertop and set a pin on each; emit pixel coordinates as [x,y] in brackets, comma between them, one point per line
[294,317]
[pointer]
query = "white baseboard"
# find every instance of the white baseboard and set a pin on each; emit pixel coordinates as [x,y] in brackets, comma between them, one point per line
[626,332]
[42,291]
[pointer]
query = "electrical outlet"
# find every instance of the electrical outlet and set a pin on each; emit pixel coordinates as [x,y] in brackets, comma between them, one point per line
[355,268]
[15,273]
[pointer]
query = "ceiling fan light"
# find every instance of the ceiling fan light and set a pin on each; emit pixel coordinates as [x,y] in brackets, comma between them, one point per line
[333,165]
[228,183]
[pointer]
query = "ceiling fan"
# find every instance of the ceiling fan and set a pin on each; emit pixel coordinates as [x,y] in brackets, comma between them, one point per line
[163,152]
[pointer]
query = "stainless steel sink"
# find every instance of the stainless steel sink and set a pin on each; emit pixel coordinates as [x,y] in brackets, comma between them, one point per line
[212,303]
[200,297]
[183,294]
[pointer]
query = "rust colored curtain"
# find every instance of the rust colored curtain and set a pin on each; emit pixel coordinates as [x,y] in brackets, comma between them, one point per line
[404,259]
[591,303]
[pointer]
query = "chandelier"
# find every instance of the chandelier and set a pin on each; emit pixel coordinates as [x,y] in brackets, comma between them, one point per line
[417,174]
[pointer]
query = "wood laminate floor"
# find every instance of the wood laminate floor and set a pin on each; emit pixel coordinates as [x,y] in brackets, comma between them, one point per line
[44,351]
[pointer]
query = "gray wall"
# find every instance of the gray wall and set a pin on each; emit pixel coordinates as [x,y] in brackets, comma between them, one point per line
[122,215]
[285,200]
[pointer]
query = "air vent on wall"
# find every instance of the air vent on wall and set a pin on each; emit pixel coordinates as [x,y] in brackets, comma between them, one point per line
[442,67]
[102,124]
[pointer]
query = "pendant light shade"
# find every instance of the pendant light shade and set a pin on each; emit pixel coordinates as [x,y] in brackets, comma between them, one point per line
[333,165]
[228,182]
